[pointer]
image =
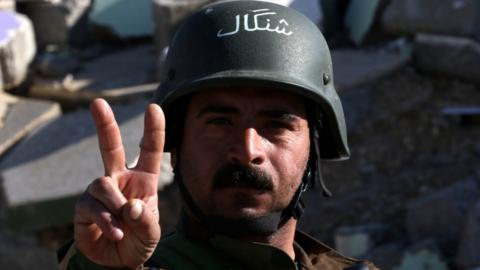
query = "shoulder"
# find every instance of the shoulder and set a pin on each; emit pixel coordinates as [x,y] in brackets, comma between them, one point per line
[321,256]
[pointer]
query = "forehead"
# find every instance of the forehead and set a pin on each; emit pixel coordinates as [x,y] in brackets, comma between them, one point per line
[249,98]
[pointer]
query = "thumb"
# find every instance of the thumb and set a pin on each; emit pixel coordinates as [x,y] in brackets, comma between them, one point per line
[141,221]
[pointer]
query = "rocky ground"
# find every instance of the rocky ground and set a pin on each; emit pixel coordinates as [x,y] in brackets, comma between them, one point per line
[403,148]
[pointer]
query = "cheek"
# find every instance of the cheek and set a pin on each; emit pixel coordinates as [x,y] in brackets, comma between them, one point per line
[291,163]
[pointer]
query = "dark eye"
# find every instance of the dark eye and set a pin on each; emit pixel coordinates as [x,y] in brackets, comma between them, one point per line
[218,121]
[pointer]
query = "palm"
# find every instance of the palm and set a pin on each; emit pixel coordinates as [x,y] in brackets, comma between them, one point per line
[104,231]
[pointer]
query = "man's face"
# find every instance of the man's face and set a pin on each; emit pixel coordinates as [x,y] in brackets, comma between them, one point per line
[244,151]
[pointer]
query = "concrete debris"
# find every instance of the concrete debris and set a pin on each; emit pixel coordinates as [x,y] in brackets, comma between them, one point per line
[357,241]
[466,115]
[359,18]
[118,16]
[451,56]
[25,254]
[21,116]
[17,47]
[430,16]
[441,215]
[118,76]
[7,5]
[353,68]
[467,256]
[43,176]
[55,22]
[55,64]
[422,256]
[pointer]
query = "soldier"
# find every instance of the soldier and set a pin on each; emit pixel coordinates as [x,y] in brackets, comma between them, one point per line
[250,110]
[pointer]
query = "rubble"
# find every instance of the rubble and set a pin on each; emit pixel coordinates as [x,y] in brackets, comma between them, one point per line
[447,17]
[7,5]
[467,256]
[55,64]
[42,177]
[359,18]
[121,75]
[357,241]
[456,57]
[20,116]
[353,68]
[118,16]
[422,256]
[55,22]
[17,48]
[442,214]
[465,115]
[24,253]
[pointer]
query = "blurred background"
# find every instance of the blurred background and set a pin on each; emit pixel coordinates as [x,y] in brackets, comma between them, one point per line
[407,72]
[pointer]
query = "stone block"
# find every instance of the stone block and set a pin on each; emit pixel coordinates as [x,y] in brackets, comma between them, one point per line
[118,16]
[353,68]
[430,16]
[422,256]
[449,56]
[20,116]
[7,5]
[357,241]
[442,214]
[468,250]
[24,254]
[55,21]
[118,76]
[17,47]
[42,177]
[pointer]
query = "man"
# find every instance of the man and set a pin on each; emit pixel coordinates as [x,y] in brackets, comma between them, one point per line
[250,106]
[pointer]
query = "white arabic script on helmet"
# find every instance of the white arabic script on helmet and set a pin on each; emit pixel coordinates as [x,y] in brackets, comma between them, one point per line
[281,26]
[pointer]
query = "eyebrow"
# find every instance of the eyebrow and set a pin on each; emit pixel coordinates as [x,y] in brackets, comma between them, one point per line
[217,108]
[280,114]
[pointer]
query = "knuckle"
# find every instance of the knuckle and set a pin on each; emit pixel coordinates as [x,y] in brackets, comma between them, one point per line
[101,185]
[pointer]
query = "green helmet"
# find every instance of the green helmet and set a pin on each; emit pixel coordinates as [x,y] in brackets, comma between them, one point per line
[255,44]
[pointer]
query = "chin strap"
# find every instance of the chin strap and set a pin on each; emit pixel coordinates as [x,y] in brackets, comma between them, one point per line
[318,165]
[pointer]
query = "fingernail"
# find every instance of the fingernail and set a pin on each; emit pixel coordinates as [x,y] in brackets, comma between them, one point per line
[136,210]
[117,234]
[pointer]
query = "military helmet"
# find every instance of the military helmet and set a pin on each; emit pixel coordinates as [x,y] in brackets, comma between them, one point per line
[235,44]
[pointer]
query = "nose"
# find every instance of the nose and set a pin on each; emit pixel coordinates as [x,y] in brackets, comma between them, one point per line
[247,149]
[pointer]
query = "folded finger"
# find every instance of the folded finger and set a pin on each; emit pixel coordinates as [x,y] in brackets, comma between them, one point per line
[106,191]
[89,211]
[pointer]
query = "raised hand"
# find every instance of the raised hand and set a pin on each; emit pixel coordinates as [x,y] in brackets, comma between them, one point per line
[117,219]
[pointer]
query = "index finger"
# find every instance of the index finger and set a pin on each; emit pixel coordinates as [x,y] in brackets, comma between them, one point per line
[109,138]
[151,148]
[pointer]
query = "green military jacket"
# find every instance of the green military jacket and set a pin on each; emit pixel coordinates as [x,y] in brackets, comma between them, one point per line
[178,251]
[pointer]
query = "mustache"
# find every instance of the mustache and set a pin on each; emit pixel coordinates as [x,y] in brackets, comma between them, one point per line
[232,175]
